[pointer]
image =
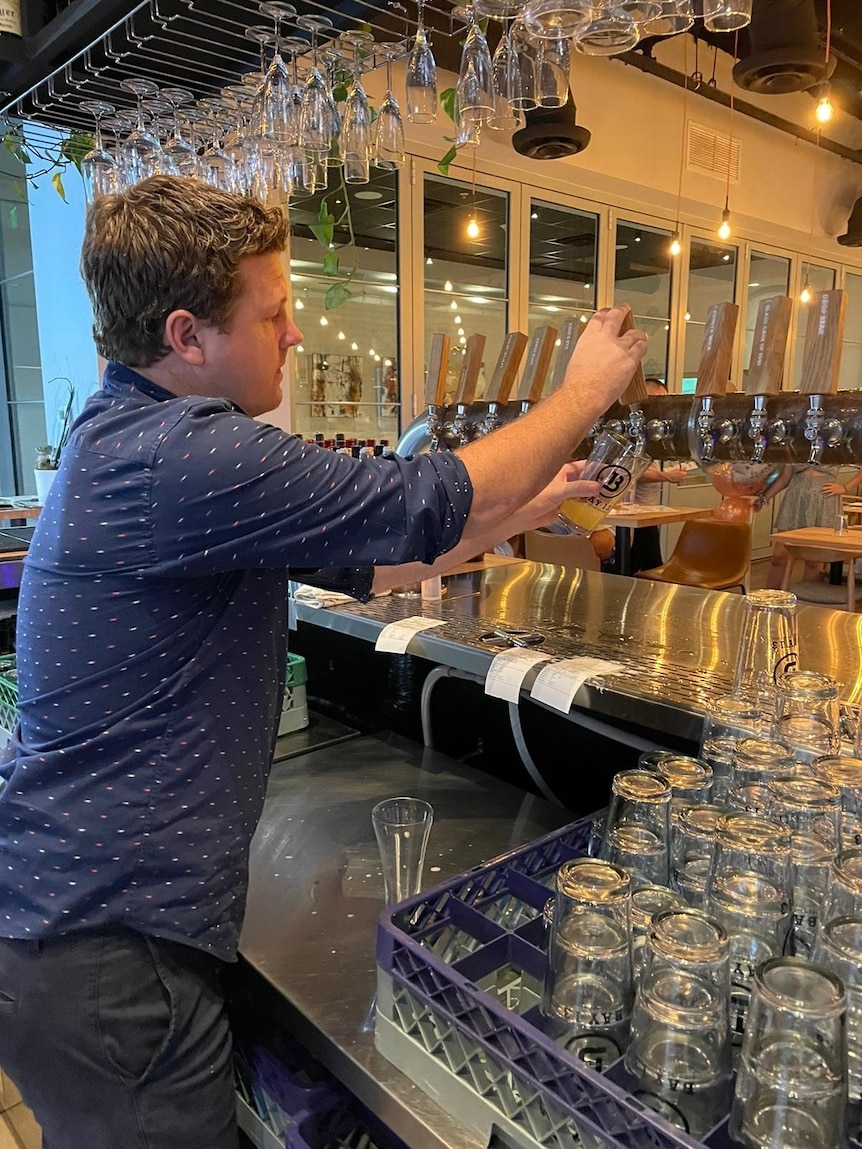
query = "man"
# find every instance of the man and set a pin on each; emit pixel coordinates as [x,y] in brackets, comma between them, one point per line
[152,646]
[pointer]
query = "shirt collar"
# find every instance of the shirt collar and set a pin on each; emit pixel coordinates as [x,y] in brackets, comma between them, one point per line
[119,380]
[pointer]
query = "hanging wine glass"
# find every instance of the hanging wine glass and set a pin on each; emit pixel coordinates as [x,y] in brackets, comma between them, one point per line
[215,163]
[119,124]
[675,16]
[276,98]
[421,75]
[553,18]
[356,139]
[315,124]
[98,167]
[553,72]
[641,11]
[507,84]
[139,151]
[389,151]
[475,87]
[180,150]
[160,127]
[526,51]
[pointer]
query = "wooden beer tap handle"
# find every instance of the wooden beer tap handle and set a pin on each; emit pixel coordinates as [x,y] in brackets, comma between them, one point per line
[472,364]
[438,366]
[506,369]
[636,390]
[538,361]
[824,333]
[568,338]
[769,346]
[716,353]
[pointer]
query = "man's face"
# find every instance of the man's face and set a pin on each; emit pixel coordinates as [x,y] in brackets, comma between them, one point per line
[246,359]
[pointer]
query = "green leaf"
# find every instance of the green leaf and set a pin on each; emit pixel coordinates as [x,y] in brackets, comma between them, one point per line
[75,147]
[14,144]
[447,103]
[323,211]
[57,183]
[336,295]
[323,232]
[443,165]
[330,263]
[339,93]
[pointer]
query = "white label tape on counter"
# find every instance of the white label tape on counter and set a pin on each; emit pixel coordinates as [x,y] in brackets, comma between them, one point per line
[558,683]
[395,636]
[508,670]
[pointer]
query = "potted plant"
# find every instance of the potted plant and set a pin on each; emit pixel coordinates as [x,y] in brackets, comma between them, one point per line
[48,456]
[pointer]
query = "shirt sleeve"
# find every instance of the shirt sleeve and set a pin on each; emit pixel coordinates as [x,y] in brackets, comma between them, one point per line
[230,492]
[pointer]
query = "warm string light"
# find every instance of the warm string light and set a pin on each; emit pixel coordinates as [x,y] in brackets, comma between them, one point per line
[824,112]
[675,247]
[806,293]
[724,229]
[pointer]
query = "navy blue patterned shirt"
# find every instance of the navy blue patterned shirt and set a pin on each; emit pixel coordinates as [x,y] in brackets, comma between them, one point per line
[152,646]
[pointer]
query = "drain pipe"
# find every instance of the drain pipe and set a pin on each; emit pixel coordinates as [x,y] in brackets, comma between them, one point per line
[595,725]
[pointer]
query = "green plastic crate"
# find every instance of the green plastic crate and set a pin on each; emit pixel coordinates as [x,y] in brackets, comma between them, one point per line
[294,710]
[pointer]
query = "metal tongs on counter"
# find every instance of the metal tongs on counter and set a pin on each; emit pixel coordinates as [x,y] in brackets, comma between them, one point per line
[504,636]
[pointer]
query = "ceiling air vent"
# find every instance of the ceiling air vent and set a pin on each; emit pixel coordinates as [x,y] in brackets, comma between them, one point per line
[710,152]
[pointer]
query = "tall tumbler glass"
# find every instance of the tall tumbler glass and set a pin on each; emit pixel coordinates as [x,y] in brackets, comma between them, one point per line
[692,844]
[689,780]
[845,773]
[588,979]
[402,827]
[616,463]
[637,831]
[757,762]
[769,646]
[844,897]
[679,1049]
[839,948]
[646,903]
[728,720]
[807,714]
[791,1085]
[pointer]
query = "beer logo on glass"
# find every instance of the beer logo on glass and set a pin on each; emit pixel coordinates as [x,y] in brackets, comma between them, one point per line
[615,480]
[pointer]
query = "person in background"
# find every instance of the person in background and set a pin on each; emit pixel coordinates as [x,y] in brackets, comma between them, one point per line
[646,544]
[812,498]
[152,643]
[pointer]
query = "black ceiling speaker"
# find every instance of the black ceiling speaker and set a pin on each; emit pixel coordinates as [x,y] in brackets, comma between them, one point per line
[785,54]
[853,236]
[551,133]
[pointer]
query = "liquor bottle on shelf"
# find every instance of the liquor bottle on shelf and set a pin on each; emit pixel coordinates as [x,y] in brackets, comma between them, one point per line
[11,23]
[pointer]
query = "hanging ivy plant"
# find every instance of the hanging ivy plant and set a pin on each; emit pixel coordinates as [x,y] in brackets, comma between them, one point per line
[447,103]
[50,161]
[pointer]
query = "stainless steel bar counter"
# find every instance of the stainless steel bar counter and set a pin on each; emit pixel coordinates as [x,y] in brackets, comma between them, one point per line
[678,643]
[308,943]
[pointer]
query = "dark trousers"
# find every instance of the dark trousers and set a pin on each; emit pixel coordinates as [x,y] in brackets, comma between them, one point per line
[646,549]
[118,1041]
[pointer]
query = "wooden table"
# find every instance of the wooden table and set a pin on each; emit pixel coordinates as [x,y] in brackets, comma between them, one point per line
[627,515]
[12,514]
[822,544]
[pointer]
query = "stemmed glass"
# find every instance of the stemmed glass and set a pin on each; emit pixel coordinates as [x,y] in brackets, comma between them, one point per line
[475,87]
[98,167]
[389,137]
[315,123]
[356,128]
[277,97]
[421,77]
[181,151]
[139,153]
[119,123]
[507,84]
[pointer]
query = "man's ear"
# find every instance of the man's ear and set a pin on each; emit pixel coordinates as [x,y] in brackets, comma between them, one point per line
[183,336]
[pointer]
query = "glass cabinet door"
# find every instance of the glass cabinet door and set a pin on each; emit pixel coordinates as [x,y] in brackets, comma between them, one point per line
[768,276]
[711,280]
[643,268]
[851,354]
[814,279]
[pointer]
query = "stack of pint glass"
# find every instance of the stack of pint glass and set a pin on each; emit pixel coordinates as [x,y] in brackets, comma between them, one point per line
[737,881]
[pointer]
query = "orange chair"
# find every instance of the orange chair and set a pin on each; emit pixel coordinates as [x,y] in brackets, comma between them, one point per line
[709,553]
[570,551]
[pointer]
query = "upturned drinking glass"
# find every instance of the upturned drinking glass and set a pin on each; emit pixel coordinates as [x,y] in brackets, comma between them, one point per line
[675,16]
[811,868]
[98,167]
[806,805]
[807,714]
[844,897]
[839,948]
[607,31]
[791,1085]
[845,773]
[637,832]
[728,720]
[689,780]
[769,646]
[692,844]
[646,903]
[756,762]
[726,15]
[588,980]
[679,1049]
[555,17]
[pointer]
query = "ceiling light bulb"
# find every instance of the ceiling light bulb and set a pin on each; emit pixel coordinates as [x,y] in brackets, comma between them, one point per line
[371,352]
[429,261]
[724,229]
[447,286]
[298,306]
[472,228]
[583,319]
[558,342]
[675,245]
[824,112]
[460,330]
[805,294]
[458,320]
[300,347]
[354,346]
[453,306]
[688,317]
[726,257]
[324,322]
[341,335]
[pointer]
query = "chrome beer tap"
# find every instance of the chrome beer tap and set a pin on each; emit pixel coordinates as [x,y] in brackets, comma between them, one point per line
[706,427]
[467,381]
[757,429]
[820,431]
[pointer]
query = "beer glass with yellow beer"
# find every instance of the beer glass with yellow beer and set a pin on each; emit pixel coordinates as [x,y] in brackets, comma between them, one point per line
[617,464]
